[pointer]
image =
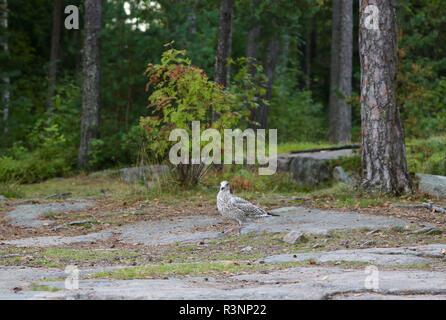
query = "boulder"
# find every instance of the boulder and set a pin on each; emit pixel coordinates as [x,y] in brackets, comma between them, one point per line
[2,198]
[432,185]
[309,171]
[311,168]
[136,174]
[294,237]
[283,163]
[339,175]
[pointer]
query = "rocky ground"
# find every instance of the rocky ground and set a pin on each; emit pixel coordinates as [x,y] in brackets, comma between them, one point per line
[178,250]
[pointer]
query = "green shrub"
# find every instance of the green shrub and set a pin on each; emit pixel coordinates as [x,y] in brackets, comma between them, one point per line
[11,190]
[180,94]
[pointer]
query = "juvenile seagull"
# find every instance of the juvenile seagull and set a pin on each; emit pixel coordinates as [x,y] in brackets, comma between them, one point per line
[235,208]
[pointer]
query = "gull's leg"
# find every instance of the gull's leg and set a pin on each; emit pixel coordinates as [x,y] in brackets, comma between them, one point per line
[237,229]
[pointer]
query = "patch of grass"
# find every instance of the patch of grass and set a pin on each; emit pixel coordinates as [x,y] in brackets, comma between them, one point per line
[50,215]
[415,266]
[398,229]
[187,248]
[73,255]
[40,287]
[197,269]
[60,257]
[427,155]
[84,186]
[342,195]
[11,190]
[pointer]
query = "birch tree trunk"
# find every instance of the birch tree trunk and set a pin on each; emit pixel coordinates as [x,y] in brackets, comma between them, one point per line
[5,98]
[55,46]
[341,71]
[384,164]
[91,88]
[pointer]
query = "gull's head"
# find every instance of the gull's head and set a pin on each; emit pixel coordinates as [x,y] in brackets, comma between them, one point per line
[224,186]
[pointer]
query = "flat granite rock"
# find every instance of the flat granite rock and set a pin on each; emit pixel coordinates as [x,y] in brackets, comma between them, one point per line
[58,240]
[183,229]
[319,222]
[293,283]
[27,215]
[192,229]
[378,256]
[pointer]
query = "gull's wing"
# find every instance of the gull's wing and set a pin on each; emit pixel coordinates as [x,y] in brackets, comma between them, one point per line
[248,208]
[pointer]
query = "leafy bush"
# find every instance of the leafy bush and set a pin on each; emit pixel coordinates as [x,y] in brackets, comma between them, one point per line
[182,93]
[52,158]
[10,190]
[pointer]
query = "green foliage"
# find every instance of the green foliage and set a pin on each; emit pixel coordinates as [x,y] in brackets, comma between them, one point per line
[10,190]
[36,145]
[427,155]
[182,93]
[421,79]
[246,180]
[352,164]
[120,149]
[297,117]
[247,87]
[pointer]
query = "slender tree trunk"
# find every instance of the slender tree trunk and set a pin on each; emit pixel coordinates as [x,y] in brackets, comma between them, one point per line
[252,51]
[223,45]
[55,47]
[228,69]
[252,44]
[91,80]
[307,59]
[252,41]
[310,52]
[5,98]
[341,71]
[269,66]
[340,110]
[334,63]
[384,164]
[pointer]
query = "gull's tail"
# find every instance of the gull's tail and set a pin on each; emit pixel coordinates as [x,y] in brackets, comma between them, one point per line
[273,214]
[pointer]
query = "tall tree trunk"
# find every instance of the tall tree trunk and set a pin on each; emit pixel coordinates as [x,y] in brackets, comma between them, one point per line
[5,98]
[384,164]
[341,71]
[252,41]
[224,37]
[223,44]
[91,88]
[228,69]
[252,51]
[269,66]
[310,52]
[334,63]
[55,47]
